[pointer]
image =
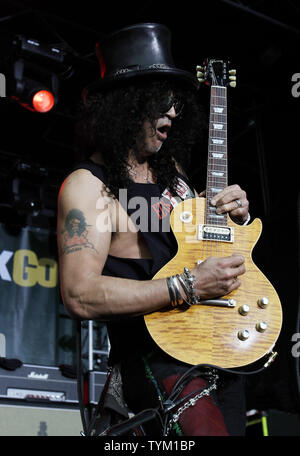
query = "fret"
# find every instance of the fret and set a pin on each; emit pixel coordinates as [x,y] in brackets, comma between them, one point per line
[218,135]
[220,182]
[217,161]
[218,167]
[215,105]
[218,118]
[218,101]
[218,164]
[216,219]
[217,216]
[218,130]
[217,181]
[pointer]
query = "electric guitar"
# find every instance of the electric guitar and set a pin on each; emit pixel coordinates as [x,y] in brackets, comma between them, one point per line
[233,330]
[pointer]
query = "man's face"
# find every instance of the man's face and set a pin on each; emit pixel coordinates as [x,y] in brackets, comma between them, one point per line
[154,138]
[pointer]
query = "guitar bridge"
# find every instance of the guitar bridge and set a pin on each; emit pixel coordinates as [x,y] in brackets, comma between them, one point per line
[215,233]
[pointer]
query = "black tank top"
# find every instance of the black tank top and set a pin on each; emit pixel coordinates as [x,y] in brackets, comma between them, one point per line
[129,335]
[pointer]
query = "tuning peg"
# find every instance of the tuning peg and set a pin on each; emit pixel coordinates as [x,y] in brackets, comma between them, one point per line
[232,72]
[232,83]
[199,68]
[199,74]
[232,78]
[201,79]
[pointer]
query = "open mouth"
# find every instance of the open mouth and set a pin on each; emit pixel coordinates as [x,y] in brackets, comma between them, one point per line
[162,132]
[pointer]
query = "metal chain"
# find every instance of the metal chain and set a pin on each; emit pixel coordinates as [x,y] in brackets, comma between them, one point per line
[191,402]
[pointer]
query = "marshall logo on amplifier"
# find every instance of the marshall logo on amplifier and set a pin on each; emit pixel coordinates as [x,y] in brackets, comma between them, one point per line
[38,376]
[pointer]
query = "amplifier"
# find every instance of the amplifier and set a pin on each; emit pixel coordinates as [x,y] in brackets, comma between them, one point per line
[37,383]
[96,381]
[19,419]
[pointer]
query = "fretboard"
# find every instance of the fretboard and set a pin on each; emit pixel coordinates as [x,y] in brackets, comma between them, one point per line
[217,153]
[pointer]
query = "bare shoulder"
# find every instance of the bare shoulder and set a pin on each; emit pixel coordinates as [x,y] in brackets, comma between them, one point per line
[81,183]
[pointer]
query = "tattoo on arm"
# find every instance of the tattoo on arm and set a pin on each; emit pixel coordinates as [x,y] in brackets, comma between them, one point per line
[75,233]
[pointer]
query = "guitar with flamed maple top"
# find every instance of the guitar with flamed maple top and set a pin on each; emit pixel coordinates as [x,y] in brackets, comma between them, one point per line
[242,327]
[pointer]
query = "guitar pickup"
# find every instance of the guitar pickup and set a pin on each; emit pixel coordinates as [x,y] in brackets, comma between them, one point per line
[215,233]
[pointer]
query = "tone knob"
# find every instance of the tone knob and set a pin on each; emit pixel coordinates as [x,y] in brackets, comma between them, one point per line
[261,326]
[244,310]
[243,334]
[263,302]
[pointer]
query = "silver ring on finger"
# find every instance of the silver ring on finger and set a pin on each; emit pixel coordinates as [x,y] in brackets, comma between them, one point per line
[239,203]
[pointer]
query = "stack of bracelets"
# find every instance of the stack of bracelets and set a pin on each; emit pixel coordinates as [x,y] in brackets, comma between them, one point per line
[186,279]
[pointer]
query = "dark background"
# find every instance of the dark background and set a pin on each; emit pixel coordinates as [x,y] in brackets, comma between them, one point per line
[261,39]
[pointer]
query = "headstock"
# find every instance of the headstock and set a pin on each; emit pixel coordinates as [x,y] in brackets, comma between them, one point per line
[217,73]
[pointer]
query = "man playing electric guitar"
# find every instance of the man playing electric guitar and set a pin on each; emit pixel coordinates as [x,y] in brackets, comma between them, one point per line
[141,122]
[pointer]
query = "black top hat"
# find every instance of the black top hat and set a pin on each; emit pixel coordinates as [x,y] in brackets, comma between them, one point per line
[137,51]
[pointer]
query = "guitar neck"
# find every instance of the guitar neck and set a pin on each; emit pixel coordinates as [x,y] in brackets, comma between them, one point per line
[217,153]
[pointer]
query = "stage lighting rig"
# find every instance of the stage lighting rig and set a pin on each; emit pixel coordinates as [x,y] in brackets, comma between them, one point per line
[36,70]
[33,87]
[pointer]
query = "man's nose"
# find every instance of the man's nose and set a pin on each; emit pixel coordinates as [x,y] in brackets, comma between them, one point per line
[171,114]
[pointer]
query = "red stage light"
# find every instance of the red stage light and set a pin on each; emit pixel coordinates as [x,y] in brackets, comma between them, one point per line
[43,101]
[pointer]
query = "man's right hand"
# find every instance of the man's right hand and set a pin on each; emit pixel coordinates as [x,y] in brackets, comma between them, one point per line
[218,276]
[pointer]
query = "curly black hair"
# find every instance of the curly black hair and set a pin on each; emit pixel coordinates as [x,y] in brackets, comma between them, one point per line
[112,121]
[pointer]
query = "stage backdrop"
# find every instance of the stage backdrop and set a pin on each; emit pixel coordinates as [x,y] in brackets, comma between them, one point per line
[34,325]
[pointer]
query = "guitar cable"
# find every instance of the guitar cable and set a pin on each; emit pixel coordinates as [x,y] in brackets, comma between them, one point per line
[217,368]
[80,379]
[179,385]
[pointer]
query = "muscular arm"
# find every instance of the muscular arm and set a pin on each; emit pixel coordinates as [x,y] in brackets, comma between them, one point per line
[84,237]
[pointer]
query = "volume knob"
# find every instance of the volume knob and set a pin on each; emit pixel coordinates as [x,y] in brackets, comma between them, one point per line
[263,302]
[261,326]
[244,309]
[243,334]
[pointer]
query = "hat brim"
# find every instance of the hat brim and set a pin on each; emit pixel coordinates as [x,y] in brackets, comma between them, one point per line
[116,79]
